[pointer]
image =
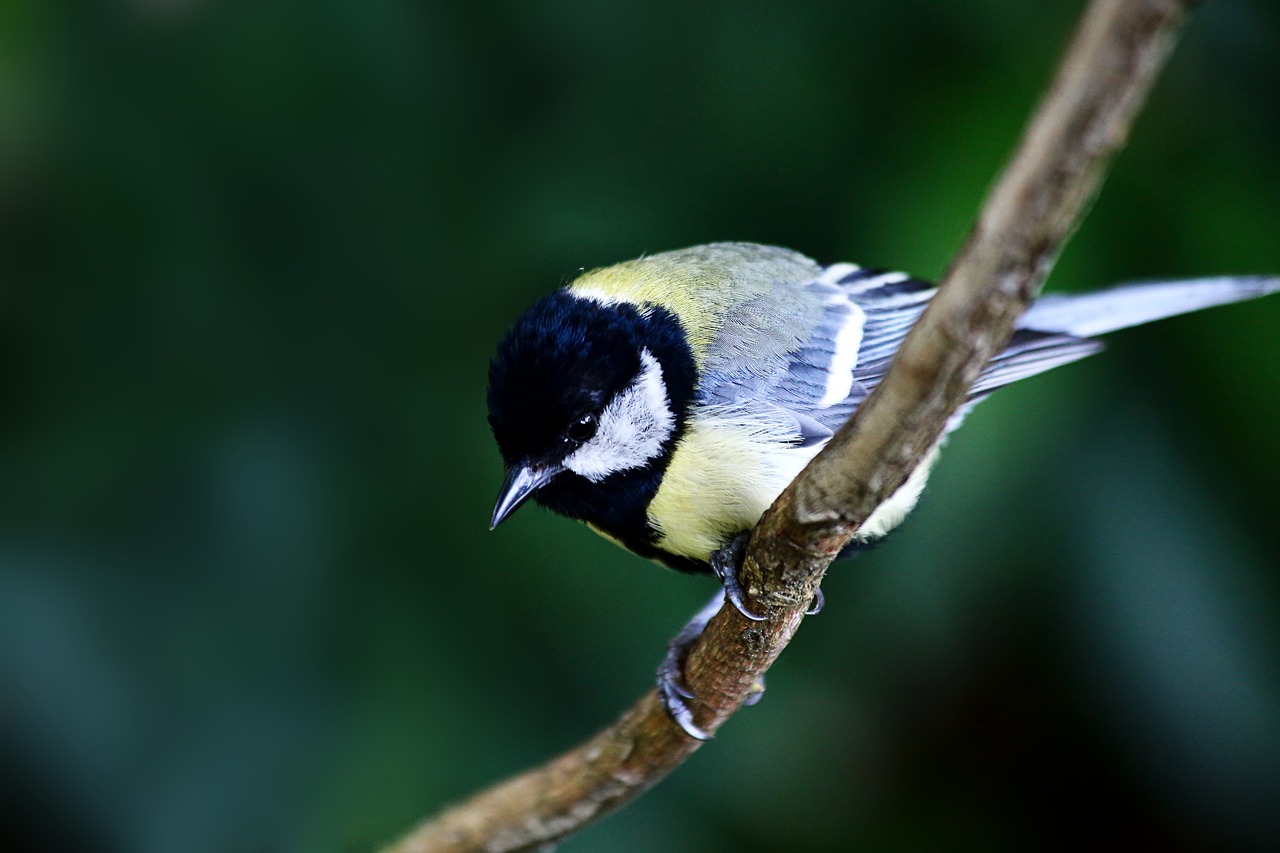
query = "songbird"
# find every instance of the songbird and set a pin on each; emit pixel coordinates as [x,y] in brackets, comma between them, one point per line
[668,400]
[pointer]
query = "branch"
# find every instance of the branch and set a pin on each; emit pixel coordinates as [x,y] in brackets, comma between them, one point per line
[1082,121]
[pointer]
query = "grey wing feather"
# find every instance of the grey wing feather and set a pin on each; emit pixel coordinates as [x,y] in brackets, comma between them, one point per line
[864,315]
[875,309]
[1030,352]
[893,304]
[1057,329]
[816,384]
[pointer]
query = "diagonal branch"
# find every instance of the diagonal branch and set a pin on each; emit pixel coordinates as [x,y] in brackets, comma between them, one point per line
[1082,121]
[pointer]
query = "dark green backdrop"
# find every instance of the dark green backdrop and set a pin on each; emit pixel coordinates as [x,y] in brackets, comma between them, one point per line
[256,256]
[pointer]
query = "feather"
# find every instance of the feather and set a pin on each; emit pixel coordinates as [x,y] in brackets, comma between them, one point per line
[1030,352]
[1089,314]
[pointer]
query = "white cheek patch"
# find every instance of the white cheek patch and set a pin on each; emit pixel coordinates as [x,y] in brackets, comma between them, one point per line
[633,427]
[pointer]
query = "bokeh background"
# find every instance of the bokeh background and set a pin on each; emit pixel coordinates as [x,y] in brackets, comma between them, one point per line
[256,256]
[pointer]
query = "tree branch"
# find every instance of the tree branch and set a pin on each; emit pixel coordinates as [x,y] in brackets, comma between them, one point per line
[1082,121]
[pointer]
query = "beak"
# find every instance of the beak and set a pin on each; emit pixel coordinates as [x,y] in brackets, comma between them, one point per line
[521,482]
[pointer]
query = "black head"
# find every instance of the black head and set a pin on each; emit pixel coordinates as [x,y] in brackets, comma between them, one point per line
[583,395]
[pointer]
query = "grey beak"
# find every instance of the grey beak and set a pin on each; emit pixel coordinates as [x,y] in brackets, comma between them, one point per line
[521,482]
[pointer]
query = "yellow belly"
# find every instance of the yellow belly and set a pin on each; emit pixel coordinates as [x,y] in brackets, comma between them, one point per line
[722,478]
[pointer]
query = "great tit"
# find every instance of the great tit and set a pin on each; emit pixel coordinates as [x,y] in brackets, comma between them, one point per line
[668,400]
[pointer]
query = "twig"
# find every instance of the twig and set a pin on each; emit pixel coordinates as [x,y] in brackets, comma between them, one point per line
[1082,121]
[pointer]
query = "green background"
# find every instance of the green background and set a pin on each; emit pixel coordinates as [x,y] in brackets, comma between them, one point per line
[256,256]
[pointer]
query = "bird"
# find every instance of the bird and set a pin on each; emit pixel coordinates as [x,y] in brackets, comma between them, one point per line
[666,401]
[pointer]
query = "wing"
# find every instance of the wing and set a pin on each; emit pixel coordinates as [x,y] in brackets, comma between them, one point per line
[860,316]
[865,315]
[868,313]
[894,302]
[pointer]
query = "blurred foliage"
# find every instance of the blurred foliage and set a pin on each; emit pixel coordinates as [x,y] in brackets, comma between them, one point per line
[256,256]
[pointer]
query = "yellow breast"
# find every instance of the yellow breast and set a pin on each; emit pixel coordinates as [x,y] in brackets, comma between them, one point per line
[721,479]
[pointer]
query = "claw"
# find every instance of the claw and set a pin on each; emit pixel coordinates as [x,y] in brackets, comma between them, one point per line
[678,709]
[670,674]
[672,690]
[815,606]
[674,694]
[725,563]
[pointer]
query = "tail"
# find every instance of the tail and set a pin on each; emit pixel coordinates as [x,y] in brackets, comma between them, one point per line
[1056,329]
[1088,314]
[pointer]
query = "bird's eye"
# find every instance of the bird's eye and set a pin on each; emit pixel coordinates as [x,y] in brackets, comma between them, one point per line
[582,429]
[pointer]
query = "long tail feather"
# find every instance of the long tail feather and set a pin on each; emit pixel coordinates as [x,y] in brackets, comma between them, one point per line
[1030,353]
[1089,314]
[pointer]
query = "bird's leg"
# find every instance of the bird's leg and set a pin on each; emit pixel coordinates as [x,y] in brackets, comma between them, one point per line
[672,690]
[727,561]
[671,687]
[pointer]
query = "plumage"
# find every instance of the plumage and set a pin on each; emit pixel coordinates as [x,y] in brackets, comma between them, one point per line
[667,401]
[708,377]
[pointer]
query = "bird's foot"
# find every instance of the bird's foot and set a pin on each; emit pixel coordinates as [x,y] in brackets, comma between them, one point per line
[673,691]
[727,561]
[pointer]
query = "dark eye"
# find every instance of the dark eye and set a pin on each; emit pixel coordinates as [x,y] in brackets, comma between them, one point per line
[582,429]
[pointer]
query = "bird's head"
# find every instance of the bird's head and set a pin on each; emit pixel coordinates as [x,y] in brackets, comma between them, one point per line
[581,391]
